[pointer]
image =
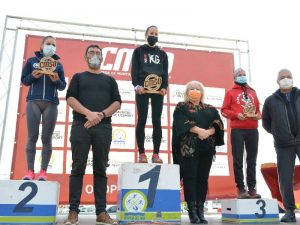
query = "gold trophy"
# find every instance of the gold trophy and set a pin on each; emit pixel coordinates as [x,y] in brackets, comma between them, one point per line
[48,65]
[249,110]
[152,84]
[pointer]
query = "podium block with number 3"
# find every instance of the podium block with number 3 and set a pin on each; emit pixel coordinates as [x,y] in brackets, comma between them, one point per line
[250,211]
[28,202]
[148,193]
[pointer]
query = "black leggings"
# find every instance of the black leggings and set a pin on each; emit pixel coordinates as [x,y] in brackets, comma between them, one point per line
[142,102]
[195,174]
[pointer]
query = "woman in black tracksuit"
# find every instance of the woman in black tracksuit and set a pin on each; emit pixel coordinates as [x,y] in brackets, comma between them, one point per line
[149,59]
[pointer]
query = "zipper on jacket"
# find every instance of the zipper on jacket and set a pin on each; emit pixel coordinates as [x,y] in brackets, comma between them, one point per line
[54,92]
[288,122]
[31,92]
[44,87]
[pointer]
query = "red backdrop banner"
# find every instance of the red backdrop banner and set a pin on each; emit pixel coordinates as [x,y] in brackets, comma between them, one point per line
[213,69]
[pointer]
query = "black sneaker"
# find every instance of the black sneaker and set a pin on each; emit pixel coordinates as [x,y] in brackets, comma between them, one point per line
[289,217]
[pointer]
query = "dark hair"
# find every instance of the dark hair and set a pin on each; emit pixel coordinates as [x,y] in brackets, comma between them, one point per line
[45,38]
[148,28]
[92,46]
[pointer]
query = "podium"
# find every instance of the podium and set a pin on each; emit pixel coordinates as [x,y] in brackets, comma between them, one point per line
[250,211]
[28,202]
[148,193]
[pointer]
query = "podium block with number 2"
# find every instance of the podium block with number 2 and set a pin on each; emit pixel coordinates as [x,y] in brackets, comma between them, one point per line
[28,202]
[148,193]
[250,211]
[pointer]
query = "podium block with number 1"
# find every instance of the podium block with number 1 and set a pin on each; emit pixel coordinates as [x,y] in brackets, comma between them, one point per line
[148,193]
[28,202]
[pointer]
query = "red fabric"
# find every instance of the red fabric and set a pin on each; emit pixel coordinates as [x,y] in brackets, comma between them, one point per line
[269,172]
[234,104]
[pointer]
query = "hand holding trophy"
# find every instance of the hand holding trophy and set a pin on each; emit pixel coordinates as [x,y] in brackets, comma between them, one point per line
[152,84]
[48,66]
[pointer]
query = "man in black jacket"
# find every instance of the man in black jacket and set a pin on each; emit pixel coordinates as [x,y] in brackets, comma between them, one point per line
[281,118]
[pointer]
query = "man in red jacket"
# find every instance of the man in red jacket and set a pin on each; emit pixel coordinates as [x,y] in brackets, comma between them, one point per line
[241,106]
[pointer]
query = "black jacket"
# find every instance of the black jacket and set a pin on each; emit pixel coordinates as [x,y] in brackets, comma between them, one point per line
[148,60]
[187,115]
[275,119]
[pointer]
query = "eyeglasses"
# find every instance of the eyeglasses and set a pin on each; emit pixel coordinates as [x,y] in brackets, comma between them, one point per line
[94,53]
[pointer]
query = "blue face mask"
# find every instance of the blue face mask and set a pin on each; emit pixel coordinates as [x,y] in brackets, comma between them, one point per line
[241,79]
[49,50]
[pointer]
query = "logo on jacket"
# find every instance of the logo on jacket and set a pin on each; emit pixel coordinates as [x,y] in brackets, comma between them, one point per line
[153,59]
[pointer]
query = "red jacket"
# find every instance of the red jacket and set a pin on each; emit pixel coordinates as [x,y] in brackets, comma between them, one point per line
[234,103]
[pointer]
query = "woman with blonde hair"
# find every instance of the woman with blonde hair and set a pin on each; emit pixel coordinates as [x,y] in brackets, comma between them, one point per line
[197,129]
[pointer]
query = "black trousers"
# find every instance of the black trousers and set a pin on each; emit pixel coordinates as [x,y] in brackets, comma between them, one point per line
[249,139]
[99,138]
[195,173]
[142,102]
[285,166]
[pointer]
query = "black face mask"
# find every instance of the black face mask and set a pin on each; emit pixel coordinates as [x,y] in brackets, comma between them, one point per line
[152,40]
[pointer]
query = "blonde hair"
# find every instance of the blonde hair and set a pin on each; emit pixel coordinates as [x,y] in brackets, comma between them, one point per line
[189,86]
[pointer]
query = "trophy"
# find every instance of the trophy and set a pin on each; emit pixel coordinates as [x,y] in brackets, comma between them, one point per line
[48,65]
[249,110]
[152,84]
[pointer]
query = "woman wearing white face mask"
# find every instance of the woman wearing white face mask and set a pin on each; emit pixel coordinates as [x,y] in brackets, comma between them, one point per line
[42,101]
[281,118]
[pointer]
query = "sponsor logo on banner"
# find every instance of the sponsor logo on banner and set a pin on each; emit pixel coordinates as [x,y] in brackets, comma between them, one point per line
[118,158]
[119,136]
[117,61]
[176,93]
[123,138]
[58,136]
[125,115]
[149,139]
[220,166]
[126,90]
[214,96]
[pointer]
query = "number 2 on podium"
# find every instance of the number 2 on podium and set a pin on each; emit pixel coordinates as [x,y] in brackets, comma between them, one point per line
[20,207]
